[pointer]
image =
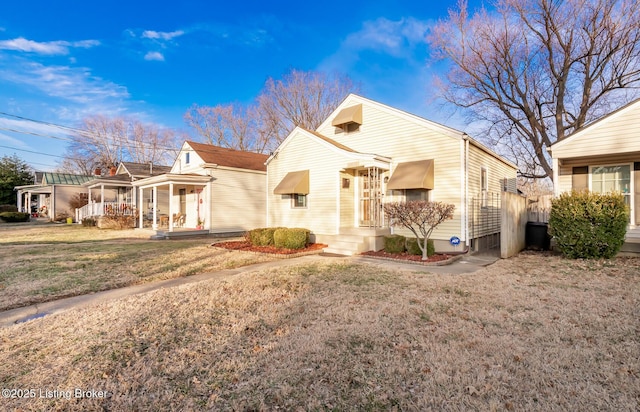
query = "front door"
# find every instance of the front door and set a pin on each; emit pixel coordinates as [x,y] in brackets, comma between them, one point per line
[370,195]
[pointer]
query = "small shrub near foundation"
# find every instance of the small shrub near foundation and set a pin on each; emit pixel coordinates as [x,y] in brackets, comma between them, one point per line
[394,244]
[414,249]
[8,208]
[12,217]
[116,222]
[88,222]
[295,238]
[262,236]
[589,225]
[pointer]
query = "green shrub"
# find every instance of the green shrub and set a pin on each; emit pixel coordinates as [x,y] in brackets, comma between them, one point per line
[588,225]
[414,249]
[11,217]
[295,238]
[394,244]
[8,208]
[262,236]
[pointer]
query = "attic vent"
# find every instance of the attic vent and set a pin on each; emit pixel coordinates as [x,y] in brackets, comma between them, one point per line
[349,119]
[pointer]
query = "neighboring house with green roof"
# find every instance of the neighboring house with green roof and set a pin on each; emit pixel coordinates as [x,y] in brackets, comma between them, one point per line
[51,194]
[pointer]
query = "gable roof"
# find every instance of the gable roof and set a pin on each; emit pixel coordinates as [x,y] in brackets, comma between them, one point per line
[144,169]
[330,141]
[223,156]
[353,99]
[596,123]
[49,178]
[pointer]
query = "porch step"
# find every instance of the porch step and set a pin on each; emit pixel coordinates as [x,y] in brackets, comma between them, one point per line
[352,241]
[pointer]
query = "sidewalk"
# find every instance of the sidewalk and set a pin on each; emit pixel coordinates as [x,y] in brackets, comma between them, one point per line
[468,264]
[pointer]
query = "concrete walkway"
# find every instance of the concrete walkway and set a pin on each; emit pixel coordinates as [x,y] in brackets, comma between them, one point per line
[467,264]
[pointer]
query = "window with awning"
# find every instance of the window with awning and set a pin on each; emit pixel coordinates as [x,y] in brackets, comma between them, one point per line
[412,175]
[349,115]
[294,183]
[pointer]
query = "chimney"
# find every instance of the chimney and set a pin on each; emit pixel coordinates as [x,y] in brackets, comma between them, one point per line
[112,171]
[97,172]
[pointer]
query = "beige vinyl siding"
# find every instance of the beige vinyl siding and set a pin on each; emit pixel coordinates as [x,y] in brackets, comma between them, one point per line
[615,134]
[347,201]
[403,140]
[237,200]
[195,161]
[303,152]
[497,171]
[565,179]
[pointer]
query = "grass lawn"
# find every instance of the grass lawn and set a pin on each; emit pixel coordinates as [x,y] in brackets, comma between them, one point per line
[47,262]
[535,332]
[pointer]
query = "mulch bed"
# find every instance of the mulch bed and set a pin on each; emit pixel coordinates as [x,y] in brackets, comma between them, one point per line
[271,250]
[438,259]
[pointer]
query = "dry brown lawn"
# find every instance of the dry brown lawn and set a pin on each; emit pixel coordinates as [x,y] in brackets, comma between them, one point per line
[535,332]
[43,263]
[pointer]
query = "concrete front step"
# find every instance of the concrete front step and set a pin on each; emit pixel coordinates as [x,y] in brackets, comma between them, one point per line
[337,251]
[352,241]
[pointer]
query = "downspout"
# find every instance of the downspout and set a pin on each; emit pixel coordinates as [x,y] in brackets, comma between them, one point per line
[465,232]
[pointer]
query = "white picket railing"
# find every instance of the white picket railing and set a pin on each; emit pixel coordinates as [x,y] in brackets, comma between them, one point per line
[104,208]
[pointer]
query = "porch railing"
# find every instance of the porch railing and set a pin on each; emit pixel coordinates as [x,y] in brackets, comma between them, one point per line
[104,208]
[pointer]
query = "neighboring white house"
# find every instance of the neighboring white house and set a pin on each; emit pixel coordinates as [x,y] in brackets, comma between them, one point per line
[51,194]
[209,188]
[603,157]
[334,180]
[113,190]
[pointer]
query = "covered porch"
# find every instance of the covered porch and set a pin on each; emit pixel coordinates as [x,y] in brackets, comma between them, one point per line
[34,199]
[108,197]
[174,203]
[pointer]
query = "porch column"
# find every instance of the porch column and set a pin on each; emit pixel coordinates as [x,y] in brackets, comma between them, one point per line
[141,210]
[155,208]
[170,207]
[20,201]
[102,200]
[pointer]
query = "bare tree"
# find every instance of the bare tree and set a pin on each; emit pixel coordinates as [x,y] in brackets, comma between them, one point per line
[539,70]
[231,125]
[302,99]
[420,217]
[102,142]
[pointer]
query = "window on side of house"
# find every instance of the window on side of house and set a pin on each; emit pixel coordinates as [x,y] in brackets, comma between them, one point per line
[298,201]
[484,186]
[187,158]
[416,194]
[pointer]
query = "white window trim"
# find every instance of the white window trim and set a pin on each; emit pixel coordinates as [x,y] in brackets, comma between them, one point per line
[293,201]
[632,221]
[484,189]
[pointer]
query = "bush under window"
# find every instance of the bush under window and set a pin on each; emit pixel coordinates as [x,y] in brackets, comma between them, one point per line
[589,225]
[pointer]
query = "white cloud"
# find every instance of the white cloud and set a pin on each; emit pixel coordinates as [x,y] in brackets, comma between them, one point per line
[77,85]
[154,56]
[60,47]
[159,35]
[387,36]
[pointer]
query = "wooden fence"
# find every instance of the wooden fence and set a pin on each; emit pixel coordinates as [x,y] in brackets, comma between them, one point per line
[538,208]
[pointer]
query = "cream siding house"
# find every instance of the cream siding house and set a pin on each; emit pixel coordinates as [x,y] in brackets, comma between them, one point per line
[604,157]
[209,189]
[367,153]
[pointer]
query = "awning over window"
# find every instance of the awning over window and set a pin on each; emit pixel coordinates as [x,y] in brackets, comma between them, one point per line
[294,182]
[412,175]
[352,114]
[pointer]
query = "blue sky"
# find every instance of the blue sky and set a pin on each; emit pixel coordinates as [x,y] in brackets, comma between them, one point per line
[63,61]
